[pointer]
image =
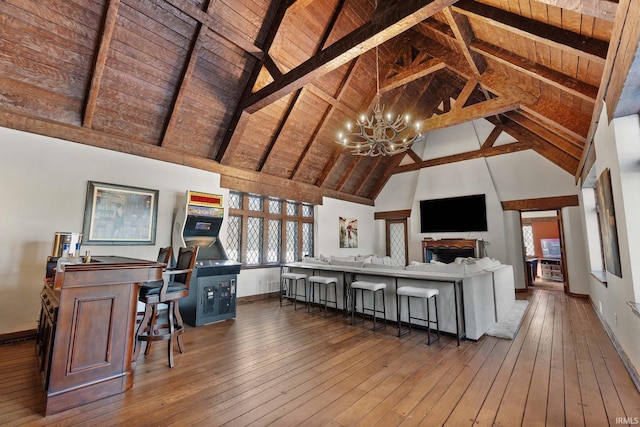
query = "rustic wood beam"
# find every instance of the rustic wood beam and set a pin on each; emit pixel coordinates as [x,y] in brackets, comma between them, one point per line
[476,154]
[567,41]
[274,186]
[541,204]
[397,18]
[367,176]
[184,82]
[472,112]
[493,136]
[554,78]
[347,173]
[281,124]
[466,92]
[218,26]
[108,26]
[401,214]
[410,74]
[333,101]
[464,37]
[602,9]
[240,117]
[413,155]
[572,147]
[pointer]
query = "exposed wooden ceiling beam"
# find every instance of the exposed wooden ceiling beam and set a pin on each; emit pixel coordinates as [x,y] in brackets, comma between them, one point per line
[185,80]
[218,26]
[476,154]
[472,112]
[554,78]
[397,18]
[545,203]
[240,117]
[493,136]
[567,41]
[412,73]
[603,9]
[459,24]
[108,26]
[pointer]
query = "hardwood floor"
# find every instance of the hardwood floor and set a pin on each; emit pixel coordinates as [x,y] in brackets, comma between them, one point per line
[274,366]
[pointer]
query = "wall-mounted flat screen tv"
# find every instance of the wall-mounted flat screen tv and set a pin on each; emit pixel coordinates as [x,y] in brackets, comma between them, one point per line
[454,214]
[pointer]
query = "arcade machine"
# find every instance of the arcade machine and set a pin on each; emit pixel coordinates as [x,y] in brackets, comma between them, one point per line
[212,291]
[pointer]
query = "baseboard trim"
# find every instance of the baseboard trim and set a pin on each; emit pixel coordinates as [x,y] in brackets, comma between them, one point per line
[15,337]
[623,356]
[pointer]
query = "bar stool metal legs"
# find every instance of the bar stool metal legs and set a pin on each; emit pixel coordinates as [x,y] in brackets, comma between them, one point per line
[373,288]
[323,282]
[425,295]
[290,281]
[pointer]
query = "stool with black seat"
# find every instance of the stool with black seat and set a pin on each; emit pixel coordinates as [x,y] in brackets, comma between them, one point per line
[290,281]
[323,282]
[424,294]
[174,287]
[374,288]
[164,256]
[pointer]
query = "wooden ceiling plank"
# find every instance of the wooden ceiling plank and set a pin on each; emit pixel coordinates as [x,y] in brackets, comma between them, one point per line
[602,9]
[466,92]
[240,116]
[396,19]
[334,102]
[108,26]
[220,28]
[593,49]
[367,176]
[549,76]
[281,125]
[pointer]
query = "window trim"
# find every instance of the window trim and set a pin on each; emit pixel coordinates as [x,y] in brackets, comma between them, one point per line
[244,213]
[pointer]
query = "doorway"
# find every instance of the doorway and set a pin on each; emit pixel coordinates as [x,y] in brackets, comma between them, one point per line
[544,253]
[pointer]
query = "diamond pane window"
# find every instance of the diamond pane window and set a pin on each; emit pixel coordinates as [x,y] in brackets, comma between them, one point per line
[291,254]
[292,209]
[274,243]
[254,241]
[396,243]
[307,211]
[235,200]
[307,239]
[275,206]
[233,237]
[527,239]
[255,203]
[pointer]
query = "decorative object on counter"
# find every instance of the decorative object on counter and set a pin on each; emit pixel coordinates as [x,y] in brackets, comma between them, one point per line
[120,215]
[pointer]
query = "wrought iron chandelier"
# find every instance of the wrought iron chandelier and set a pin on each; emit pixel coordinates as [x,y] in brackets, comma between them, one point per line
[379,134]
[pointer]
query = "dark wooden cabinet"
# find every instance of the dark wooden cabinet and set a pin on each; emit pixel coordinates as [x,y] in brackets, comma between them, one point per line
[87,330]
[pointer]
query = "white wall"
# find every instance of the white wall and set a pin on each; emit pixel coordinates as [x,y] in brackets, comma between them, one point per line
[327,220]
[617,146]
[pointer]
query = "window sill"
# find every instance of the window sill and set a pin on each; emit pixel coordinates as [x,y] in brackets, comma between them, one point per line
[600,275]
[635,307]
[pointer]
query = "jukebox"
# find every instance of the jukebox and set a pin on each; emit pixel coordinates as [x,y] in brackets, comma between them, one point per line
[212,291]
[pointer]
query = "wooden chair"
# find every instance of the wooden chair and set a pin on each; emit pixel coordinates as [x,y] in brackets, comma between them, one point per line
[175,286]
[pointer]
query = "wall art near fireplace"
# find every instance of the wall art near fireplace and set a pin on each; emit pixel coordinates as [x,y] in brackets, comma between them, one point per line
[119,215]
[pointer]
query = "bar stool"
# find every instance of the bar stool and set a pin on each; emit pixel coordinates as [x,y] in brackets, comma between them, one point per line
[424,294]
[292,284]
[323,282]
[373,288]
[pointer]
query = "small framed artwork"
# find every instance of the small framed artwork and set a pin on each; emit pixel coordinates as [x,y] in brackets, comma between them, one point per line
[119,215]
[348,229]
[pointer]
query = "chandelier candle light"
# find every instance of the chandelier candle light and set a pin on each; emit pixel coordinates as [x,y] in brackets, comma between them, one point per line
[379,134]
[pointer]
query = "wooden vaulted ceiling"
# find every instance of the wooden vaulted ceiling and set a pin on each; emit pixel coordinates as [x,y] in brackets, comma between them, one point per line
[257,90]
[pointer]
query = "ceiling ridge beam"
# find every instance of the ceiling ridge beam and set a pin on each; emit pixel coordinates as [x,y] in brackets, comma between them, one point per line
[106,35]
[472,112]
[411,74]
[586,47]
[396,19]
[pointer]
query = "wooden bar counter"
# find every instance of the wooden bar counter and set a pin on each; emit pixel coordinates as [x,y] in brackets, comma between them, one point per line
[87,329]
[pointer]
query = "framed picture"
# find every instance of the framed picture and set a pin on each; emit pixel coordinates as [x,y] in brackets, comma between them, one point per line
[348,229]
[607,218]
[119,215]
